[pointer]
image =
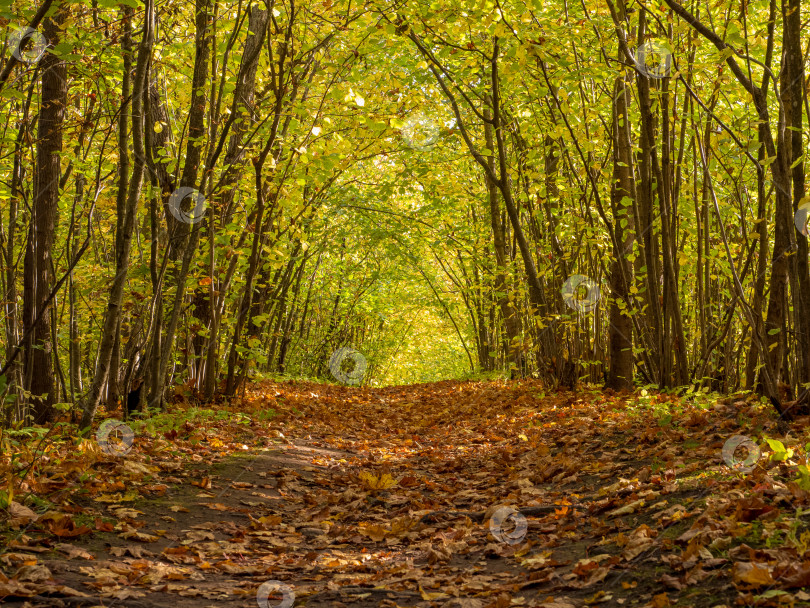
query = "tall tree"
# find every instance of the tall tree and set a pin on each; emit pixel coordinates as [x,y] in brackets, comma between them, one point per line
[122,258]
[38,277]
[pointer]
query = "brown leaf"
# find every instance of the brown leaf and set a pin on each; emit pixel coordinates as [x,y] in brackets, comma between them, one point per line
[752,573]
[374,531]
[20,514]
[463,602]
[409,481]
[749,509]
[66,527]
[241,485]
[799,578]
[585,567]
[73,551]
[33,574]
[13,589]
[558,603]
[102,526]
[158,489]
[141,537]
[432,595]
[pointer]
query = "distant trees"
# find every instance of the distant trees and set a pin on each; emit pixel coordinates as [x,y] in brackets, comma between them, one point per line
[199,193]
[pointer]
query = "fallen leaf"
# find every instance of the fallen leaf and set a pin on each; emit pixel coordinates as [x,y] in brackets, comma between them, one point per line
[660,601]
[73,551]
[372,482]
[751,573]
[20,514]
[66,527]
[433,595]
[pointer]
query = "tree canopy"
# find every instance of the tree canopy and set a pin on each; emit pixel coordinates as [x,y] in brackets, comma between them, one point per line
[194,194]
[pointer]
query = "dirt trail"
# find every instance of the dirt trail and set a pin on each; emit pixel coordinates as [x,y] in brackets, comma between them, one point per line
[449,494]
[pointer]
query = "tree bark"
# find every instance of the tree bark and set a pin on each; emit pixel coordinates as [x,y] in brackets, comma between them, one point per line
[620,330]
[205,309]
[511,323]
[792,76]
[112,317]
[38,257]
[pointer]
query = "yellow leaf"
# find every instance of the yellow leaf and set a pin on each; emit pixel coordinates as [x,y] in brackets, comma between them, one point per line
[372,482]
[436,595]
[537,561]
[402,525]
[118,497]
[141,537]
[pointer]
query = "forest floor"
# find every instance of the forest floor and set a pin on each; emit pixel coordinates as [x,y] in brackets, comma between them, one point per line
[456,494]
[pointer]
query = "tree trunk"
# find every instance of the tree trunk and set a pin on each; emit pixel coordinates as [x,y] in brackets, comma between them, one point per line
[205,309]
[38,279]
[792,97]
[113,315]
[620,330]
[511,323]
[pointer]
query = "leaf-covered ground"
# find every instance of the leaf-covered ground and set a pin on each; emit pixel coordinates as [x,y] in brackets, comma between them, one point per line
[457,494]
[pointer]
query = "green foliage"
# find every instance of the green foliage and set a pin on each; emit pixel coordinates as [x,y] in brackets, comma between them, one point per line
[780,453]
[375,228]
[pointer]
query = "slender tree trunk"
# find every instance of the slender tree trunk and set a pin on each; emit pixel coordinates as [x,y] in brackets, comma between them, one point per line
[511,323]
[762,267]
[112,317]
[121,195]
[620,330]
[38,279]
[792,98]
[286,337]
[15,372]
[187,236]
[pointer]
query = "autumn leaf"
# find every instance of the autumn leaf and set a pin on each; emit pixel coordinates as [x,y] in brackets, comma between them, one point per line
[103,526]
[66,527]
[270,520]
[372,482]
[204,483]
[374,531]
[660,600]
[409,481]
[73,551]
[20,515]
[752,573]
[433,595]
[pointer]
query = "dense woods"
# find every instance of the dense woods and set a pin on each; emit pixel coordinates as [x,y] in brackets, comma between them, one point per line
[194,194]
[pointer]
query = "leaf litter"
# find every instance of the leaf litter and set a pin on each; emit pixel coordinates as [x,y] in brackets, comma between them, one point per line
[457,494]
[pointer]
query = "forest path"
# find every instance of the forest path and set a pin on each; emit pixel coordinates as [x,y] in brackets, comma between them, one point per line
[457,494]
